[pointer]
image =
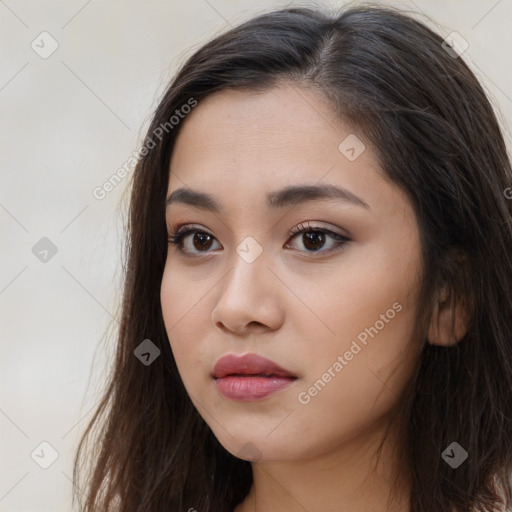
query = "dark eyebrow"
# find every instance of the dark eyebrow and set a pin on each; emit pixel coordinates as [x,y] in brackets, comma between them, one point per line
[288,196]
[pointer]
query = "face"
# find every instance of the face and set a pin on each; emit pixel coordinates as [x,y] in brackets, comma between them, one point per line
[334,305]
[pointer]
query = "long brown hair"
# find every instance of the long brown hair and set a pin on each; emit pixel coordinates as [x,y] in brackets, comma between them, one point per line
[437,138]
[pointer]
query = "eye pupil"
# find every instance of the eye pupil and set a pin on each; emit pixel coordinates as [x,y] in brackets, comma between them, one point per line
[314,237]
[202,237]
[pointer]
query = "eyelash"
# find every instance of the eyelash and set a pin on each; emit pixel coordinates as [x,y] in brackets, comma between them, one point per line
[177,237]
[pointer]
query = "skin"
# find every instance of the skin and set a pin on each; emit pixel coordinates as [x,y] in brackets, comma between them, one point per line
[298,307]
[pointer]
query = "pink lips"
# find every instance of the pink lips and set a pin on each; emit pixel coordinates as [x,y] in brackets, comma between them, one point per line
[249,377]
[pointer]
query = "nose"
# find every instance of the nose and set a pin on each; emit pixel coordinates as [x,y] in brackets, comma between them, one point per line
[249,299]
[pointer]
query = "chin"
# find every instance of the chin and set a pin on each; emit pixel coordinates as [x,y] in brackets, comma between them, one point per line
[256,448]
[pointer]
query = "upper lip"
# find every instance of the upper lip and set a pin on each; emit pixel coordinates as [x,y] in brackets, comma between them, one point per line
[248,364]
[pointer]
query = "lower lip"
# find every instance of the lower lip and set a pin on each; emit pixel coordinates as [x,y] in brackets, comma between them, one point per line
[250,389]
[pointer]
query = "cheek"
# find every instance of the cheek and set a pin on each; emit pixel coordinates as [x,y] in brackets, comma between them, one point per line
[368,294]
[370,326]
[183,294]
[184,315]
[352,395]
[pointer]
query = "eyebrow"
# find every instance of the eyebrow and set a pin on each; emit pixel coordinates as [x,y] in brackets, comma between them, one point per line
[288,196]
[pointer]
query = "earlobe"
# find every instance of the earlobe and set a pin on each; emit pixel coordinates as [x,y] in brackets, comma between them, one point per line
[449,323]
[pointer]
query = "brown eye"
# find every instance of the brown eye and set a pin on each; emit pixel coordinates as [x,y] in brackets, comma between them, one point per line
[200,242]
[314,238]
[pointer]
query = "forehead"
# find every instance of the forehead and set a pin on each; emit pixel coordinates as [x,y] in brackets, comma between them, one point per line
[242,145]
[281,116]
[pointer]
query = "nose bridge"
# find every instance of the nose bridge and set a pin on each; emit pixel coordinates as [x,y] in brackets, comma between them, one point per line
[249,264]
[246,295]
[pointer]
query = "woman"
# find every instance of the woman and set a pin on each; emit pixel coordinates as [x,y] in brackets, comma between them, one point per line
[317,304]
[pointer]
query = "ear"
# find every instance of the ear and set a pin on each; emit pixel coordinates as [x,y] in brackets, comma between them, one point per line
[449,322]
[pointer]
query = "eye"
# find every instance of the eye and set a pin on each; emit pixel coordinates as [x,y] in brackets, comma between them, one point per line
[201,240]
[313,239]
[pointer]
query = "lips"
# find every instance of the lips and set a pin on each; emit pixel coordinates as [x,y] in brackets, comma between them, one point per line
[248,364]
[250,377]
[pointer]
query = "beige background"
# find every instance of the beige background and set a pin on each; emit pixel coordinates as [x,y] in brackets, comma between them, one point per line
[68,122]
